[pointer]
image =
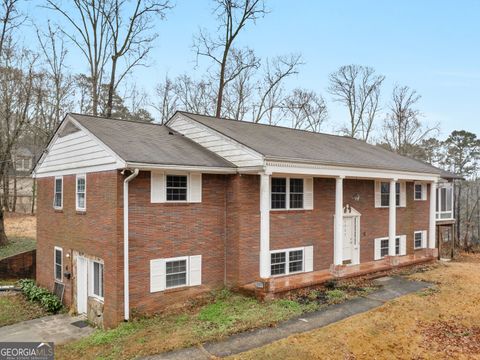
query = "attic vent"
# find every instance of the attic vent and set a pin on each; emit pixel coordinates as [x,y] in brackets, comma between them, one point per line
[171,133]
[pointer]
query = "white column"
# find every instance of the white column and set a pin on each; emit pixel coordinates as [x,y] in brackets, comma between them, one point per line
[338,233]
[264,225]
[392,218]
[432,223]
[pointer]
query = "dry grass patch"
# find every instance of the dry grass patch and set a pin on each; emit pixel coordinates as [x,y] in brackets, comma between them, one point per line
[15,308]
[416,326]
[20,225]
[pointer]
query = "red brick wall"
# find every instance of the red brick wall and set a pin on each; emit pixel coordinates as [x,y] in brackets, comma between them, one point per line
[18,266]
[94,232]
[172,230]
[243,229]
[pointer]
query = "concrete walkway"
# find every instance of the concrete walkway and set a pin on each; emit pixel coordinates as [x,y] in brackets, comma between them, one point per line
[392,287]
[56,328]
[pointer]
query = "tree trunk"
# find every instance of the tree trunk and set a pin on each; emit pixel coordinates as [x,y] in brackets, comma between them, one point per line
[3,235]
[111,88]
[14,199]
[457,210]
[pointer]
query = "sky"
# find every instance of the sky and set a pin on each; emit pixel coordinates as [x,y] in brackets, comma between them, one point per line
[432,46]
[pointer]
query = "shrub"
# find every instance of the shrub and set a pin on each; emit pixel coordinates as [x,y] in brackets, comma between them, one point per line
[32,292]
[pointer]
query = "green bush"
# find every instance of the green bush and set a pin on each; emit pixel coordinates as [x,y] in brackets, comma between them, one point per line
[34,293]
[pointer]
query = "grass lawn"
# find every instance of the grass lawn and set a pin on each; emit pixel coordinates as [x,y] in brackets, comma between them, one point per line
[17,246]
[441,323]
[224,314]
[20,230]
[15,308]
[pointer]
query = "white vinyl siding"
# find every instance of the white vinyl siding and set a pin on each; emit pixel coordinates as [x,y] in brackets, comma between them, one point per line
[81,193]
[58,263]
[160,185]
[176,272]
[291,261]
[419,191]
[75,152]
[420,239]
[382,194]
[212,140]
[58,193]
[382,243]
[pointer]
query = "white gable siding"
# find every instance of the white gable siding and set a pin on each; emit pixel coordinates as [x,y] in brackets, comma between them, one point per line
[227,148]
[75,152]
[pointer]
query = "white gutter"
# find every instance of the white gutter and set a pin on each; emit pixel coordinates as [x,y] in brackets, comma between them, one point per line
[126,294]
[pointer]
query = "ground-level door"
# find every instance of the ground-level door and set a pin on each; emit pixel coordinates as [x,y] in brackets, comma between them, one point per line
[82,284]
[351,236]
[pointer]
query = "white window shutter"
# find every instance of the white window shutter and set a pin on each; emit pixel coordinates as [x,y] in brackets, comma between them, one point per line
[424,191]
[403,194]
[424,239]
[157,187]
[308,258]
[377,194]
[195,187]
[378,254]
[157,275]
[308,193]
[195,270]
[403,245]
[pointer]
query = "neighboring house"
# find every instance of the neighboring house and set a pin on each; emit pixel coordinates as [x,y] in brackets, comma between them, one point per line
[21,185]
[202,203]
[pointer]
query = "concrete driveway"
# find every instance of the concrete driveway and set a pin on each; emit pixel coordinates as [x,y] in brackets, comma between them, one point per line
[56,328]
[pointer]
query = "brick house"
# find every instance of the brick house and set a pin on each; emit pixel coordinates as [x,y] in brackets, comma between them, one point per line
[136,217]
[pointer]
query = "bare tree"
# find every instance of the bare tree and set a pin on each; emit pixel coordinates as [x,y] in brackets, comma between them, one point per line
[233,16]
[131,36]
[402,128]
[305,110]
[167,103]
[269,88]
[358,88]
[91,33]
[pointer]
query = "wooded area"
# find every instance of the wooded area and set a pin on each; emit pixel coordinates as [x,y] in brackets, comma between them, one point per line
[115,37]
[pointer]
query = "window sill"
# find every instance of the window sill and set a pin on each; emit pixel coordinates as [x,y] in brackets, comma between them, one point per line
[290,210]
[180,288]
[95,297]
[57,210]
[81,212]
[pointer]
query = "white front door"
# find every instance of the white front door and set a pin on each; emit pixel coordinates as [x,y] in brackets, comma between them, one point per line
[82,283]
[347,238]
[351,239]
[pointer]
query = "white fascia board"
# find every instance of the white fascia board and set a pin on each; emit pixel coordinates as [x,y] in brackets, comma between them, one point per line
[223,136]
[83,170]
[351,172]
[202,169]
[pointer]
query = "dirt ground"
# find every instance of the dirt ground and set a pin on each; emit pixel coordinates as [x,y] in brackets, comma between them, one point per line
[440,323]
[20,225]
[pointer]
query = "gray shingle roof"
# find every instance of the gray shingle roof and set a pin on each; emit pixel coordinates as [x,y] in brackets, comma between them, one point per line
[276,142]
[149,143]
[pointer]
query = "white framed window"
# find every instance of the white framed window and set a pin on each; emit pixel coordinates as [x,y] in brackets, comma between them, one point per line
[419,191]
[382,194]
[96,279]
[58,192]
[58,263]
[171,273]
[382,244]
[444,205]
[420,239]
[291,193]
[81,192]
[175,187]
[291,261]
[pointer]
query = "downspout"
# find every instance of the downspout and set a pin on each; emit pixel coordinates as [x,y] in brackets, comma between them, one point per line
[126,295]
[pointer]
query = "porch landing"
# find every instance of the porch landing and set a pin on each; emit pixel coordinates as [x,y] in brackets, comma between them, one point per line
[275,285]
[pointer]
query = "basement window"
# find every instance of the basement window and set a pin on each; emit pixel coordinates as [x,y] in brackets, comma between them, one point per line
[176,273]
[58,264]
[97,279]
[284,262]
